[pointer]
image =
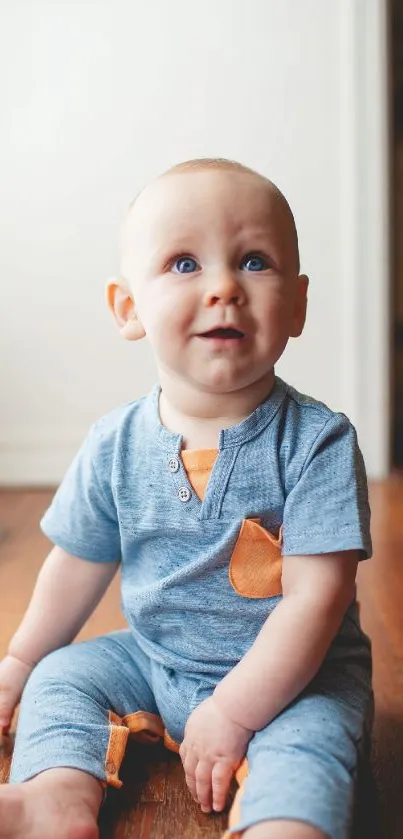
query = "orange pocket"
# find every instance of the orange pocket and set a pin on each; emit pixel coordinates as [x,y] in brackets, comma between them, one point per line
[256,563]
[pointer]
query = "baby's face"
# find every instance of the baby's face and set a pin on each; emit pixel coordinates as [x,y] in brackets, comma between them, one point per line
[210,258]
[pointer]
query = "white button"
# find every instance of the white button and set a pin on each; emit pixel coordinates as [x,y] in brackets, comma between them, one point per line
[184,494]
[173,464]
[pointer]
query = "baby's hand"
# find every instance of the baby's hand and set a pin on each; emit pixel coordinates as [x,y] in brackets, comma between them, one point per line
[13,675]
[211,751]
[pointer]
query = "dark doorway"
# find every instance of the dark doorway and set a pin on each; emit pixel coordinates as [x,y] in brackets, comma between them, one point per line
[397,216]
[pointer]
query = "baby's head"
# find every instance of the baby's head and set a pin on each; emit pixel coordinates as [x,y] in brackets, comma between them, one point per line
[210,273]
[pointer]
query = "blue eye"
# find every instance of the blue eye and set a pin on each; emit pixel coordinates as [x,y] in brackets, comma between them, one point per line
[253,262]
[184,265]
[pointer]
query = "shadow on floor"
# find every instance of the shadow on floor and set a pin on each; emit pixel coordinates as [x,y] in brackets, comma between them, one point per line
[387,774]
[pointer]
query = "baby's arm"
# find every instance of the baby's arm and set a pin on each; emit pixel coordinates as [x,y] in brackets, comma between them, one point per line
[293,642]
[284,658]
[66,593]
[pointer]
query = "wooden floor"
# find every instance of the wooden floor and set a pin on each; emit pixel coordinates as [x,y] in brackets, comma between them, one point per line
[154,803]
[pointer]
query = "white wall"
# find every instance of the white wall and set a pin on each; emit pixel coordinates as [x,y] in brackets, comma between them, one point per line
[102,95]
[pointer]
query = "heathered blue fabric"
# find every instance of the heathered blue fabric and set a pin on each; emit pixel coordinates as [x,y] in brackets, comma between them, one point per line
[292,462]
[302,766]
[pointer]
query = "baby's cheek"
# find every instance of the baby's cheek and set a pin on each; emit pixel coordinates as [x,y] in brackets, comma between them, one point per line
[168,344]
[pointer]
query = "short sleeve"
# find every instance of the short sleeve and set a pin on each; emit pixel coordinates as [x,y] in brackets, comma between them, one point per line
[82,518]
[327,510]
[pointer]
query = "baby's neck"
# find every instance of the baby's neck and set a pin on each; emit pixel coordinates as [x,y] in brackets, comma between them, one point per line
[197,432]
[200,417]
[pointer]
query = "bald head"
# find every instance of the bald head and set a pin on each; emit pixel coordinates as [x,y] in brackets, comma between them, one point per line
[278,204]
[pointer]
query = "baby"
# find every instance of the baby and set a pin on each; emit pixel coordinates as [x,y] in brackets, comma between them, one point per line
[237,510]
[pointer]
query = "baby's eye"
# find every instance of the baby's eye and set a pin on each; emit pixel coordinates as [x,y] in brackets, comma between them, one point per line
[253,262]
[184,265]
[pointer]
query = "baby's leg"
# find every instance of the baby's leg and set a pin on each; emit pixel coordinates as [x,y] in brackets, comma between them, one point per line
[71,739]
[302,768]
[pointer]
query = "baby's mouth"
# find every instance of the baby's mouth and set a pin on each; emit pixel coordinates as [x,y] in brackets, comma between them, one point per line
[223,333]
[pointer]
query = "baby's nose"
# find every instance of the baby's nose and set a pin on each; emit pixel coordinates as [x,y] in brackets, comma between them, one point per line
[224,288]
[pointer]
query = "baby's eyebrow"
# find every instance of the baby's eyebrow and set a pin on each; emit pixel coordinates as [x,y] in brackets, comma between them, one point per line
[172,247]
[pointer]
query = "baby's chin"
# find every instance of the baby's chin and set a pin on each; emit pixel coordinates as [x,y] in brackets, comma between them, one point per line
[220,384]
[216,378]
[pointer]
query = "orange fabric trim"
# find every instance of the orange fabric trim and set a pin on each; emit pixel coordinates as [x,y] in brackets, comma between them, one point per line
[170,744]
[116,748]
[149,728]
[199,458]
[235,812]
[198,464]
[256,563]
[145,727]
[242,772]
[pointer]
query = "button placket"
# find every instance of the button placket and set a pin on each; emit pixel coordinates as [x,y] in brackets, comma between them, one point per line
[212,502]
[183,491]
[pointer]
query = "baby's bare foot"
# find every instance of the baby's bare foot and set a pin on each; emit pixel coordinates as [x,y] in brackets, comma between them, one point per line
[57,804]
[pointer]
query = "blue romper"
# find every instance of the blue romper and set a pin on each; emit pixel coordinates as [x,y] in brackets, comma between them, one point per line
[292,475]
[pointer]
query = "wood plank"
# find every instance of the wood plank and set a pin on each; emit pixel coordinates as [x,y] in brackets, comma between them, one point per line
[139,809]
[380,590]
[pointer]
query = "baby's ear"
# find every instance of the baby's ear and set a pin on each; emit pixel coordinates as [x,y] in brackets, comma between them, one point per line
[300,303]
[120,301]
